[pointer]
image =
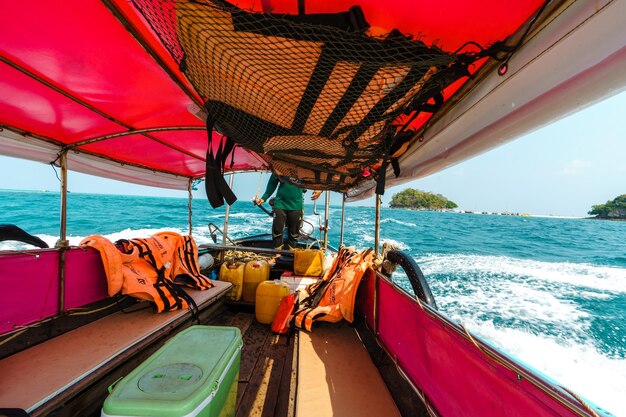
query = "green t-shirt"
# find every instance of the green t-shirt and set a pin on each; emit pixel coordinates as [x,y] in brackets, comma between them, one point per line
[288,197]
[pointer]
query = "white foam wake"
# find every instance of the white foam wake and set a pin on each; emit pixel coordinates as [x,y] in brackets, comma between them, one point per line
[367,238]
[201,235]
[396,221]
[579,367]
[252,224]
[538,312]
[513,301]
[577,277]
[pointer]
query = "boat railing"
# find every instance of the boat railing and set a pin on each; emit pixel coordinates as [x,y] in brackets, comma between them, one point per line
[215,228]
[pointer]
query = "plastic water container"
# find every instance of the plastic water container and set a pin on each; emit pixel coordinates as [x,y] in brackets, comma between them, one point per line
[233,272]
[255,273]
[195,374]
[268,296]
[297,283]
[308,262]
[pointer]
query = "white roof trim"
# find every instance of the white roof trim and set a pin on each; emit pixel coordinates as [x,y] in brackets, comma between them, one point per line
[27,147]
[576,60]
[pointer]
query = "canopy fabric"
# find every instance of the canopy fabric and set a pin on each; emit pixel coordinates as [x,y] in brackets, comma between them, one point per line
[71,77]
[319,99]
[74,73]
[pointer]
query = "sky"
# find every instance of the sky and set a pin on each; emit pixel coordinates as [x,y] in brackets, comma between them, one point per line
[562,169]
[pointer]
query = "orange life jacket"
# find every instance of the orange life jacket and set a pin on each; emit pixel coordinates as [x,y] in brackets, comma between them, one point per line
[147,268]
[332,299]
[111,260]
[184,269]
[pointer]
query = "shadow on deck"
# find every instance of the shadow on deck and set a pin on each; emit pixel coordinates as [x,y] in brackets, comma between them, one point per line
[267,374]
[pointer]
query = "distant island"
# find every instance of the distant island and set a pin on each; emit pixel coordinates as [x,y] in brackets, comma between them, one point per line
[613,209]
[421,200]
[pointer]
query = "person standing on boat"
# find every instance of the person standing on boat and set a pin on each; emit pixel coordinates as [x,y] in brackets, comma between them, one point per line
[288,207]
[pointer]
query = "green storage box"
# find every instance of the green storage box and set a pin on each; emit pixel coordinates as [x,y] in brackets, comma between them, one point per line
[193,374]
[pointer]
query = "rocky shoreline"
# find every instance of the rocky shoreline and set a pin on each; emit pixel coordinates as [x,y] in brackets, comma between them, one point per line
[615,219]
[613,209]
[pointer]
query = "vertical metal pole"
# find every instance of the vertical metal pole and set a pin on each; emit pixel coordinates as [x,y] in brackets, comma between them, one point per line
[377,226]
[63,229]
[189,201]
[326,212]
[319,220]
[225,234]
[62,243]
[343,207]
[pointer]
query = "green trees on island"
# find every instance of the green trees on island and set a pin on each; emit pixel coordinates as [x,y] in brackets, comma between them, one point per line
[613,209]
[416,199]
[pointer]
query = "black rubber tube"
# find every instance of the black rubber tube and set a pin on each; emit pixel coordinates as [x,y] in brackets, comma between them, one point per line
[416,277]
[12,232]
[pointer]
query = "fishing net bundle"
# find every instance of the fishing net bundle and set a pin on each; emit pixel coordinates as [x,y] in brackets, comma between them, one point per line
[235,255]
[314,95]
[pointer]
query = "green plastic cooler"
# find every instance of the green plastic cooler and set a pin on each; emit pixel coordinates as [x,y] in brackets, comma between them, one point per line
[194,374]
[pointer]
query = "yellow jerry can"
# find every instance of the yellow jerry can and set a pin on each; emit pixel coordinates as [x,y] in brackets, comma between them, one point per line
[233,272]
[255,273]
[308,262]
[268,296]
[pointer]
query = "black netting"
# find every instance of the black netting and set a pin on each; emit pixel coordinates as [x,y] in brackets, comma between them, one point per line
[312,94]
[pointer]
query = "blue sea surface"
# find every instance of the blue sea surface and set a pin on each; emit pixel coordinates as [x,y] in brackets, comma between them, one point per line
[550,291]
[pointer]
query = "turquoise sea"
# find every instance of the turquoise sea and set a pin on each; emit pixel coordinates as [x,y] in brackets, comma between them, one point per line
[550,291]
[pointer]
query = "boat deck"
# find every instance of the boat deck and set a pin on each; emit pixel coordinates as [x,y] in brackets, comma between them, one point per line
[267,374]
[324,373]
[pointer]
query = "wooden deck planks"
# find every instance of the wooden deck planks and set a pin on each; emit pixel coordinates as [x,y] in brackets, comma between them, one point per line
[269,371]
[286,401]
[265,373]
[242,321]
[262,391]
[253,344]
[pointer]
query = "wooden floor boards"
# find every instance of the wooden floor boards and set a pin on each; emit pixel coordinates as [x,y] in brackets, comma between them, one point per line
[266,374]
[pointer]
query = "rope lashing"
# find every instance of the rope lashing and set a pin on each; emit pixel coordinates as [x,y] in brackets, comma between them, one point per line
[582,402]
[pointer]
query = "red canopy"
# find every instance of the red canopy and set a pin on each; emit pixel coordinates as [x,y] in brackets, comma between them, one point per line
[77,74]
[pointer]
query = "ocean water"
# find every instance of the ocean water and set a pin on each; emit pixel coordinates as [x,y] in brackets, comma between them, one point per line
[550,291]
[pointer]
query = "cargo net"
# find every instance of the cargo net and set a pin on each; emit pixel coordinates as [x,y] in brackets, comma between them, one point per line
[314,95]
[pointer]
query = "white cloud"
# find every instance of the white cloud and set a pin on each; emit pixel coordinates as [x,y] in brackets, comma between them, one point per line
[574,167]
